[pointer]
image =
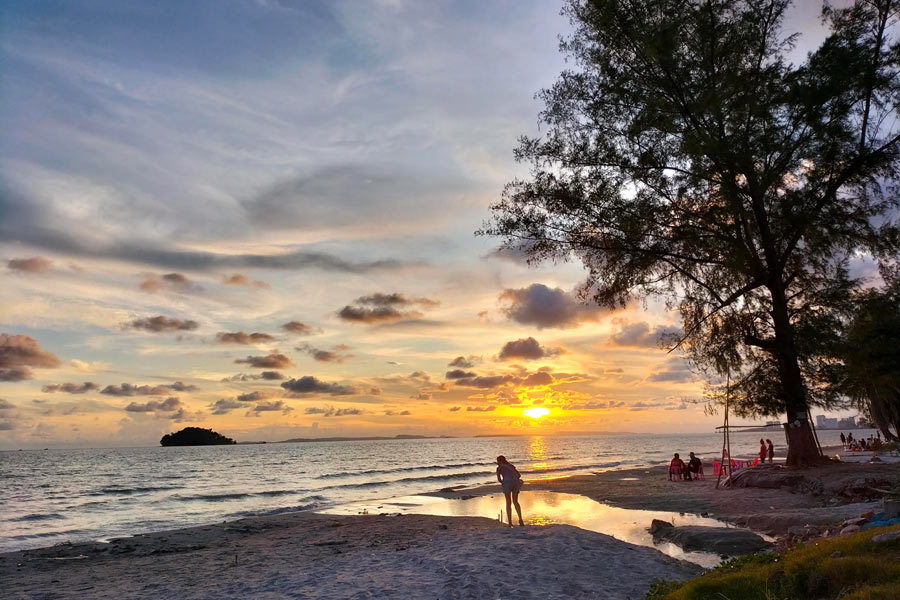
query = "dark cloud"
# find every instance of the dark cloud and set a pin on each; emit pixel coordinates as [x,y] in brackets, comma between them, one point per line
[311,385]
[383,308]
[172,282]
[641,335]
[595,405]
[127,389]
[163,323]
[35,264]
[464,362]
[168,405]
[454,408]
[239,337]
[325,355]
[71,388]
[223,406]
[273,361]
[241,279]
[271,375]
[526,349]
[674,370]
[422,396]
[332,412]
[18,353]
[299,328]
[459,374]
[420,377]
[544,307]
[487,382]
[6,404]
[269,406]
[394,413]
[480,408]
[254,396]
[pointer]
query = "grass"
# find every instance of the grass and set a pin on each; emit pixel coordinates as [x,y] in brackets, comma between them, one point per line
[847,568]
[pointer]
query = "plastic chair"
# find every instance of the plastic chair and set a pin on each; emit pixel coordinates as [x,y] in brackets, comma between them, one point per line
[675,474]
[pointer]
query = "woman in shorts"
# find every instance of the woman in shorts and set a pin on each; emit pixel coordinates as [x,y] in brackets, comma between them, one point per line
[511,480]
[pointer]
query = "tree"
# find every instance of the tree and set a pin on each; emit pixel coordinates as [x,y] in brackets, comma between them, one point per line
[685,158]
[195,436]
[871,355]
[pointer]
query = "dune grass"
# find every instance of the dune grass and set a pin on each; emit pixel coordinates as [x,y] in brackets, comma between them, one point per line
[846,568]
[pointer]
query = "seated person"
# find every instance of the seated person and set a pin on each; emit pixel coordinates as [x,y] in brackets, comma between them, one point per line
[694,466]
[676,468]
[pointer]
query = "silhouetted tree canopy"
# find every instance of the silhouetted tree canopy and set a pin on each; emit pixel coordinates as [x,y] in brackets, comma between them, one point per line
[685,157]
[195,436]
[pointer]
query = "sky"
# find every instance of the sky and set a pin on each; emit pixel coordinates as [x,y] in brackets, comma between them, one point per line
[258,216]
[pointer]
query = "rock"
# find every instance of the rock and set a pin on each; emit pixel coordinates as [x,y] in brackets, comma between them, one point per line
[657,525]
[849,529]
[891,508]
[859,521]
[867,515]
[887,537]
[836,554]
[719,540]
[833,501]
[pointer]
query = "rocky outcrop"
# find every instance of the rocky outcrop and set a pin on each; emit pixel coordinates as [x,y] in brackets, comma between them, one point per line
[719,540]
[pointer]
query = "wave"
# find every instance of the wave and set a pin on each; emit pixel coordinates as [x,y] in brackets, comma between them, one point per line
[404,470]
[308,503]
[125,491]
[38,517]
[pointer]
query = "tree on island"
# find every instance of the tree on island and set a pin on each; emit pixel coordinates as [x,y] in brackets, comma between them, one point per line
[685,158]
[195,436]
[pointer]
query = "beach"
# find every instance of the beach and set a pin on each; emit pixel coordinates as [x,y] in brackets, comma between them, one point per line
[309,555]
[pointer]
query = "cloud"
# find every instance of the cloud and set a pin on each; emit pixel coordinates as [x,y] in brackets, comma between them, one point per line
[241,279]
[269,406]
[273,361]
[35,264]
[223,406]
[464,362]
[127,389]
[595,405]
[544,307]
[459,374]
[311,385]
[640,335]
[674,370]
[18,353]
[168,405]
[480,408]
[299,328]
[254,396]
[393,413]
[71,388]
[487,382]
[266,375]
[163,323]
[332,412]
[172,282]
[526,349]
[538,379]
[325,355]
[384,308]
[454,408]
[6,404]
[88,367]
[239,337]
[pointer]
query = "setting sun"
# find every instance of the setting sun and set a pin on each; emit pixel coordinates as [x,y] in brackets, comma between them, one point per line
[536,413]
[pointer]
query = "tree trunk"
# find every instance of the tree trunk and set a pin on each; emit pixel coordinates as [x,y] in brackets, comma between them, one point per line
[802,447]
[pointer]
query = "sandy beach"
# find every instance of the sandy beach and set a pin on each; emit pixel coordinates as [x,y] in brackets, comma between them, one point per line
[307,555]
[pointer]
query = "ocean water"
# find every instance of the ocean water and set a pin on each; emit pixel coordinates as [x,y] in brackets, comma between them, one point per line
[53,496]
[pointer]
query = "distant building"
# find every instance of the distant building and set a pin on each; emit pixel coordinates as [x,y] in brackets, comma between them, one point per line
[823,422]
[848,423]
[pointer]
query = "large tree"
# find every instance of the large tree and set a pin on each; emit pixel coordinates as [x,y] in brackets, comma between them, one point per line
[685,157]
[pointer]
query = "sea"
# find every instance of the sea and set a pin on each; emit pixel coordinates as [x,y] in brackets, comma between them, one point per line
[55,496]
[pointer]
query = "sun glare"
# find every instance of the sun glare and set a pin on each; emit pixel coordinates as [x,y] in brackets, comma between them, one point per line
[536,413]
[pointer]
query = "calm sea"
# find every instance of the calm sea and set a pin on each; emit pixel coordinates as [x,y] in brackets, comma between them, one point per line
[52,496]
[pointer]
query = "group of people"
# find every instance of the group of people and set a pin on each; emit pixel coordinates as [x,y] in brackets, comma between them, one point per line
[872,443]
[766,450]
[679,471]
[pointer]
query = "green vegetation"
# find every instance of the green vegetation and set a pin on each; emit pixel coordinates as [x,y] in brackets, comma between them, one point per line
[687,155]
[850,567]
[195,436]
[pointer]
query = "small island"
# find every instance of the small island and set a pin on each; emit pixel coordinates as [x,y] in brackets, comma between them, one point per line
[195,436]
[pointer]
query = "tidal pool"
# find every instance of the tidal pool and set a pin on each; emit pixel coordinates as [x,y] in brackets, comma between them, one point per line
[545,508]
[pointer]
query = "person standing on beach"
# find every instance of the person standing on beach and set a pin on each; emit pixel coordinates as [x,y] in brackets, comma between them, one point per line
[762,450]
[511,480]
[770,449]
[843,440]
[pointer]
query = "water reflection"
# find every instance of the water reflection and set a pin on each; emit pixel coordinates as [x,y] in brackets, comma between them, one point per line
[546,508]
[537,453]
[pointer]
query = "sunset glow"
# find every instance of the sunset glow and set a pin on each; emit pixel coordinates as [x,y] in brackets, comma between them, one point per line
[536,413]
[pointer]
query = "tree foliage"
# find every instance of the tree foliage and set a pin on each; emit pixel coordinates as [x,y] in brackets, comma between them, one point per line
[685,157]
[195,436]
